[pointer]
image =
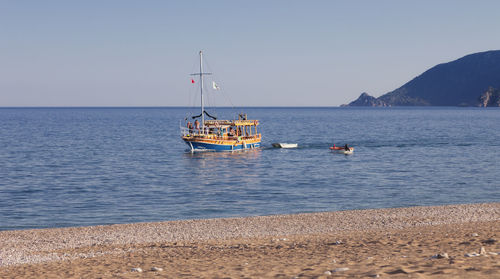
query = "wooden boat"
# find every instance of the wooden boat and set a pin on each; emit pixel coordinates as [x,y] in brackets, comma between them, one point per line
[219,135]
[285,145]
[342,150]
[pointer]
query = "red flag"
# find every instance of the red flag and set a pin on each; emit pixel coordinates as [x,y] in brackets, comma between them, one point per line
[192,80]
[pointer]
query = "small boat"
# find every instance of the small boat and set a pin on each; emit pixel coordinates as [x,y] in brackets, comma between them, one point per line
[285,145]
[219,135]
[342,150]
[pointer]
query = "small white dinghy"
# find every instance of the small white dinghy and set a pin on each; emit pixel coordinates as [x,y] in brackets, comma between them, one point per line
[285,145]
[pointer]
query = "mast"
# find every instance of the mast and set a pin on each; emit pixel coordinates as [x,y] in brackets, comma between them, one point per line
[201,93]
[201,74]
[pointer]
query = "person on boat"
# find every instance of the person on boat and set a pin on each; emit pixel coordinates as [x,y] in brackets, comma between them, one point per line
[346,148]
[190,127]
[197,125]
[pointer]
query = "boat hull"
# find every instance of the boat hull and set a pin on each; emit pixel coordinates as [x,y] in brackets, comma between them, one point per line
[285,145]
[342,150]
[204,145]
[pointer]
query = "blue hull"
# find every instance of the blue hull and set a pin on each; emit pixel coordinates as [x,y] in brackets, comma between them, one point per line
[202,146]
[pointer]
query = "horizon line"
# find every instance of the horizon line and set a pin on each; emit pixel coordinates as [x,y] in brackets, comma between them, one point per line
[6,107]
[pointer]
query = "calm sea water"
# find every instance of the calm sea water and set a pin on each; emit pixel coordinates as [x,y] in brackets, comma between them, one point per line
[88,166]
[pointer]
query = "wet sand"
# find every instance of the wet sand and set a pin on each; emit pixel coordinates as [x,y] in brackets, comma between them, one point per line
[456,241]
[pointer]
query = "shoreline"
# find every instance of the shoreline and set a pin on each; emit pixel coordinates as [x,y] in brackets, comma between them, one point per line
[212,245]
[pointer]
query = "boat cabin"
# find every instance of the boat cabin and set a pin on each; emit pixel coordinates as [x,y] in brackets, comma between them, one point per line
[224,130]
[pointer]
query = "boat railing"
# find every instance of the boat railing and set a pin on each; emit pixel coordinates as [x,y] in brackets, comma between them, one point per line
[207,131]
[215,123]
[184,131]
[194,131]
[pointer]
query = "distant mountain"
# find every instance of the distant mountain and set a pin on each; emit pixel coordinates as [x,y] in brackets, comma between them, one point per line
[472,80]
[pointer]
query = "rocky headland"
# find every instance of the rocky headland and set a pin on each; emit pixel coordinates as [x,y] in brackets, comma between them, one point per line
[473,80]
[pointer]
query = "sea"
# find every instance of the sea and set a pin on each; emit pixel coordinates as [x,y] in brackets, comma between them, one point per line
[62,167]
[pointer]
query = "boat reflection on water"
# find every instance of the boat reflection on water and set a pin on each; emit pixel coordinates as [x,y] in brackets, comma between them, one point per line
[234,168]
[214,156]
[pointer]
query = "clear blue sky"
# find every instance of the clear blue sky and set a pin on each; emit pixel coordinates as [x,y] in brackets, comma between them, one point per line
[264,53]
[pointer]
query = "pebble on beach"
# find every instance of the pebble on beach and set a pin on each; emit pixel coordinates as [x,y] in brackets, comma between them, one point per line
[441,256]
[136,269]
[154,268]
[489,241]
[482,251]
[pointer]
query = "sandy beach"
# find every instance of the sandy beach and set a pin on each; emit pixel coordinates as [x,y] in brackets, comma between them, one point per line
[454,241]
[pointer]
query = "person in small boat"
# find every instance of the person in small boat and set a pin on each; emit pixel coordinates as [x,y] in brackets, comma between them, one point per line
[197,125]
[346,148]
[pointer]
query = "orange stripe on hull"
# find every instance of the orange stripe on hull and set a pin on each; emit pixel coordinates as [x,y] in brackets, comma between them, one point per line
[222,142]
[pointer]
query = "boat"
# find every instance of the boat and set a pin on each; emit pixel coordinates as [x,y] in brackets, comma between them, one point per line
[285,145]
[219,135]
[342,150]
